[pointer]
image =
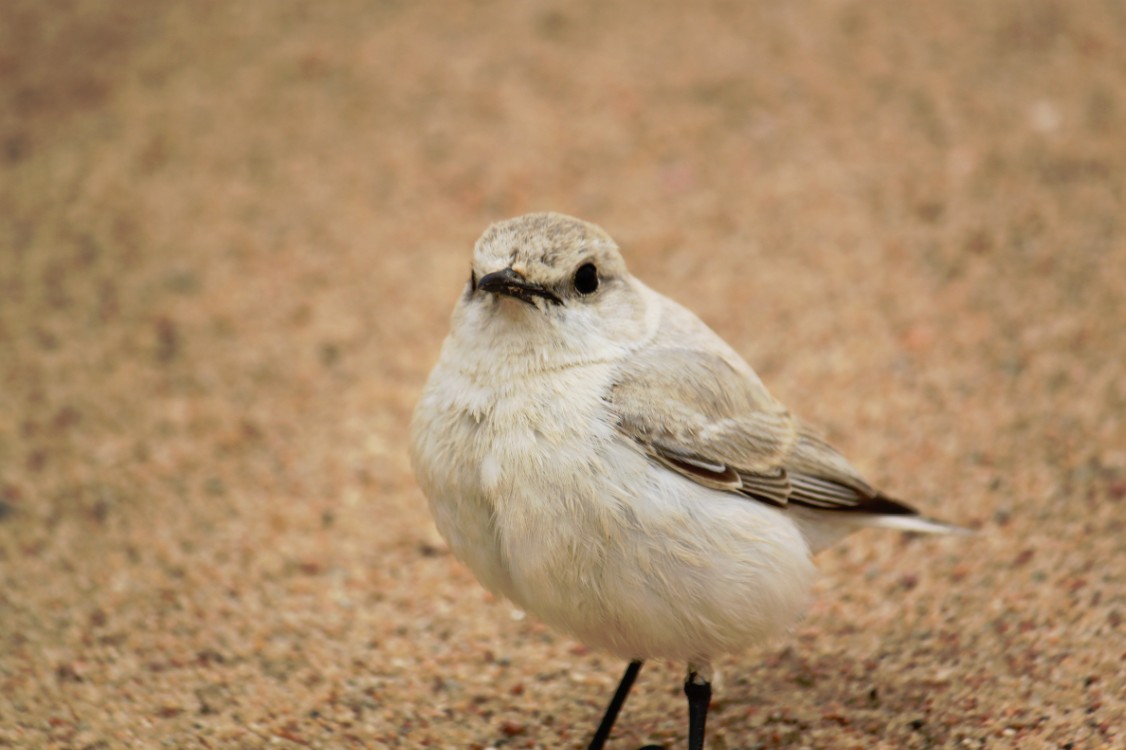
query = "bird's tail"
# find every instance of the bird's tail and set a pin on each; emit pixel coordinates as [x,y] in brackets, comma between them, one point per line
[906,522]
[823,529]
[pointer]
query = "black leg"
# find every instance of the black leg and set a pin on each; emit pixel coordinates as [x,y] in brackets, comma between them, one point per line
[615,706]
[699,696]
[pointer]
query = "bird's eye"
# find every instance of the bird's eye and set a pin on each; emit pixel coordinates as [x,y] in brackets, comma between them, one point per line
[586,279]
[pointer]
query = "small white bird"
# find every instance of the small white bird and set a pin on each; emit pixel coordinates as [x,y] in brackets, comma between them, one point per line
[596,454]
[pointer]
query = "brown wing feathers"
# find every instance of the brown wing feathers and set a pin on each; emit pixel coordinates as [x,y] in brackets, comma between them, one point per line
[720,429]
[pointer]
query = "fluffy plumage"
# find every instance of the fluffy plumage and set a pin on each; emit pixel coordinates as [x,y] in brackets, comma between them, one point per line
[609,464]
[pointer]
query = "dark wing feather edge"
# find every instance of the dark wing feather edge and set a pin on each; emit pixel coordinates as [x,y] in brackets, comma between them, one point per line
[790,464]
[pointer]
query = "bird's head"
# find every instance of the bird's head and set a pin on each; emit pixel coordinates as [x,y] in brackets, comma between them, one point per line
[553,283]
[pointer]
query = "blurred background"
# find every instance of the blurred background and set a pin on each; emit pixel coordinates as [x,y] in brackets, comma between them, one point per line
[231,234]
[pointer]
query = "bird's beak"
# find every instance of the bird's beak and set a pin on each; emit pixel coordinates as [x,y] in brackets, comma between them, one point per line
[512,284]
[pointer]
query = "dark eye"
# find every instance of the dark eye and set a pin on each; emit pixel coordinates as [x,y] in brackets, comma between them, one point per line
[586,279]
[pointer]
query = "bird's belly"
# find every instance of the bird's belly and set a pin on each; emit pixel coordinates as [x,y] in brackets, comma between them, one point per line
[631,558]
[561,514]
[496,461]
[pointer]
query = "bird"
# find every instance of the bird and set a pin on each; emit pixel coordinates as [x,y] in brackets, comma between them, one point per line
[594,453]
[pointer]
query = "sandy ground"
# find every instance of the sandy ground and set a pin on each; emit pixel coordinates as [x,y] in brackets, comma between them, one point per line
[230,238]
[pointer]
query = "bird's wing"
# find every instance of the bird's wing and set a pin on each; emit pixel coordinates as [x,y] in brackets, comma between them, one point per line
[710,419]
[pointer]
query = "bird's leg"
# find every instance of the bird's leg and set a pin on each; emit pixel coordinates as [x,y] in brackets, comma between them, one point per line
[615,706]
[699,692]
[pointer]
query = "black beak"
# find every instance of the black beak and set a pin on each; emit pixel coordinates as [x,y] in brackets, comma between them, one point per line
[510,283]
